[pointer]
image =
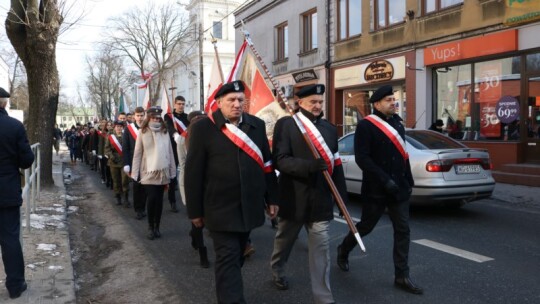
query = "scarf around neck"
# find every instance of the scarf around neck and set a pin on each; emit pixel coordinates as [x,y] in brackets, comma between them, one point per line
[156,149]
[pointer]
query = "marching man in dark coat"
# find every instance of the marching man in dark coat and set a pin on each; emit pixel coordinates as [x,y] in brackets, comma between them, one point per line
[15,154]
[128,147]
[379,145]
[229,182]
[305,197]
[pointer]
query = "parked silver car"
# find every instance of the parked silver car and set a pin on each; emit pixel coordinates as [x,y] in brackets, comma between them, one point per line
[444,170]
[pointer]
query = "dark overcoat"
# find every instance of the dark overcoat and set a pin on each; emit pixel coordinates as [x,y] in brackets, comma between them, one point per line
[304,196]
[170,127]
[380,160]
[223,184]
[15,154]
[128,146]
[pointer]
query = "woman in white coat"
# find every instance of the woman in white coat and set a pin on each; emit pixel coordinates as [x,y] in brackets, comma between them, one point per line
[153,166]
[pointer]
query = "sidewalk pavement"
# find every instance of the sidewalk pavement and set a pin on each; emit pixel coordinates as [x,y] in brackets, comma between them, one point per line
[46,248]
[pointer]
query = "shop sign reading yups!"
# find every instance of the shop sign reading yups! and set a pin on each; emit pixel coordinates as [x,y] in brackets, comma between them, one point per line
[380,70]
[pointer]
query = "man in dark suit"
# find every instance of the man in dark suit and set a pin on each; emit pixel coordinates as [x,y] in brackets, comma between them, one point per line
[128,147]
[229,182]
[15,154]
[305,196]
[176,125]
[379,145]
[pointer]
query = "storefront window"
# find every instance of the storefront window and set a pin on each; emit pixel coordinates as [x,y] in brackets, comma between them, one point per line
[454,98]
[490,109]
[356,107]
[533,63]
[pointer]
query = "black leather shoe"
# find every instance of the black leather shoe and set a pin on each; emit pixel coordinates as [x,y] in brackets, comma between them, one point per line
[406,284]
[281,283]
[157,234]
[342,258]
[139,216]
[15,295]
[150,234]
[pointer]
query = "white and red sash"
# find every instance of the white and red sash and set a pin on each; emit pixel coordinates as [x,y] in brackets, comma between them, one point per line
[391,133]
[102,134]
[179,126]
[133,130]
[306,126]
[240,139]
[115,143]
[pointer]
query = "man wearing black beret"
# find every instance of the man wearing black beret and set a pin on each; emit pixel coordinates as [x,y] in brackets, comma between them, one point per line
[379,145]
[15,154]
[305,196]
[229,181]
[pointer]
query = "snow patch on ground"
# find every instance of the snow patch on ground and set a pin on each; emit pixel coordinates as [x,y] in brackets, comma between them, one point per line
[55,267]
[72,198]
[40,221]
[72,209]
[46,247]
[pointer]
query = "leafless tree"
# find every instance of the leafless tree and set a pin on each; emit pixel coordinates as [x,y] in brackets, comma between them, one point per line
[154,38]
[106,74]
[32,27]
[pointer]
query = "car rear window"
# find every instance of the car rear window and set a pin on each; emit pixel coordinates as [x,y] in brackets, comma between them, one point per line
[429,140]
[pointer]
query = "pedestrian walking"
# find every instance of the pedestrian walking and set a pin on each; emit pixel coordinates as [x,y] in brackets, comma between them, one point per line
[128,147]
[57,136]
[177,124]
[15,154]
[305,196]
[379,145]
[196,233]
[229,182]
[153,166]
[73,139]
[113,150]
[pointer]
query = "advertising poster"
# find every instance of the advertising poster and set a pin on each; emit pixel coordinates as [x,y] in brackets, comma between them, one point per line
[490,90]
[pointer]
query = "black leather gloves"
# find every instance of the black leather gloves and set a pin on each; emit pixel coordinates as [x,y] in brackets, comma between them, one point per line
[391,188]
[317,165]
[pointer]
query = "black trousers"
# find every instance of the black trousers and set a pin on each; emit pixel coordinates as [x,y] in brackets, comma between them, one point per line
[154,203]
[197,237]
[399,215]
[139,197]
[171,195]
[229,250]
[12,255]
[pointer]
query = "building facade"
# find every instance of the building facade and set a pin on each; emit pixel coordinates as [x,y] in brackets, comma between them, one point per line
[475,64]
[290,37]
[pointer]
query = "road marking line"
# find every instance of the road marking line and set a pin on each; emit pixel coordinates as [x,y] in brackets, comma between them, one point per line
[455,251]
[342,220]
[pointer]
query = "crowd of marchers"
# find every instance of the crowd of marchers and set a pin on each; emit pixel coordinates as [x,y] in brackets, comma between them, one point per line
[225,171]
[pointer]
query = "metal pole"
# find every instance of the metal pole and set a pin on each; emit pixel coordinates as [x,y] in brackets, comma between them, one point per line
[25,199]
[201,68]
[38,172]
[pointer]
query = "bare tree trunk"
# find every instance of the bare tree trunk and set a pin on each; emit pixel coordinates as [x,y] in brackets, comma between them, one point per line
[32,27]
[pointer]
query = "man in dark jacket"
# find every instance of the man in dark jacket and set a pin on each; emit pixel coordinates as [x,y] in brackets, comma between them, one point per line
[15,154]
[128,147]
[305,197]
[228,183]
[379,145]
[176,126]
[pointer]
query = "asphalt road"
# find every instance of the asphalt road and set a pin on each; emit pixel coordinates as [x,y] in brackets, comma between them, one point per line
[499,261]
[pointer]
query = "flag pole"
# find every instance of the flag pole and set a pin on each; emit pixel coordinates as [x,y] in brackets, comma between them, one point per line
[284,104]
[214,42]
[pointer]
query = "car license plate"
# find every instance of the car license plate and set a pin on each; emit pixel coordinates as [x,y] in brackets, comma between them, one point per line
[467,169]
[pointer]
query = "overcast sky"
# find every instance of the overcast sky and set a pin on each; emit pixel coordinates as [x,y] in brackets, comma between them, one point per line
[81,40]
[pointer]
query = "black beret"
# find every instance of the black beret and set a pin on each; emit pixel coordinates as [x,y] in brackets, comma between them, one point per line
[381,93]
[118,123]
[439,123]
[195,114]
[154,111]
[235,86]
[312,89]
[3,93]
